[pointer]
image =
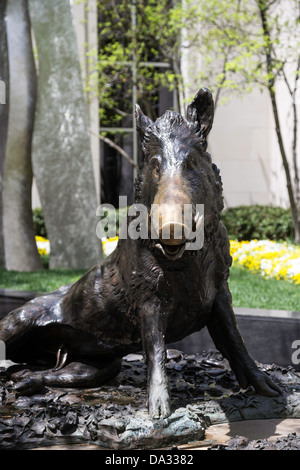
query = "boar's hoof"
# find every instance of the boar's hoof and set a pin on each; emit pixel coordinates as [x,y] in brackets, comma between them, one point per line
[265,386]
[261,382]
[27,384]
[159,406]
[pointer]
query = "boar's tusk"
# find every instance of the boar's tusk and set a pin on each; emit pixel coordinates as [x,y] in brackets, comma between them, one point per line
[199,221]
[196,218]
[158,245]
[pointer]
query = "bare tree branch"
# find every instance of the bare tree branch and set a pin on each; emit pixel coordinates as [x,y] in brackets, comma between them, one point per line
[295,130]
[292,93]
[269,59]
[114,146]
[226,55]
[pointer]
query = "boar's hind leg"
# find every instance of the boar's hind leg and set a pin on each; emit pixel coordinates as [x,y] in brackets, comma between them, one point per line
[224,331]
[74,374]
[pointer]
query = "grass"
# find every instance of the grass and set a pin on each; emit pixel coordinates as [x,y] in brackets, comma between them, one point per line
[248,289]
[254,291]
[38,281]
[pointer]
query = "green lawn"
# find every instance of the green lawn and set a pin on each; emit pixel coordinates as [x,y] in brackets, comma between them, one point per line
[248,289]
[254,291]
[38,281]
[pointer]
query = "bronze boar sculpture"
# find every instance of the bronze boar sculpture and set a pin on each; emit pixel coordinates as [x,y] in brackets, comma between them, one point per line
[150,291]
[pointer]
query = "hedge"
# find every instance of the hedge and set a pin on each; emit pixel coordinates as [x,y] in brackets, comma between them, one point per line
[39,223]
[258,222]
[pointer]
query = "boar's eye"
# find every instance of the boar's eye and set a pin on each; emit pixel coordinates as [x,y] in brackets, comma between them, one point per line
[155,165]
[187,164]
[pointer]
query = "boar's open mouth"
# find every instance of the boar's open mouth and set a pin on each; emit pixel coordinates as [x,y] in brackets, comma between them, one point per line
[175,251]
[171,251]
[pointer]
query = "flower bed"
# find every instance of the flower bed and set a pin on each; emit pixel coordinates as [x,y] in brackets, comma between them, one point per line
[109,244]
[268,258]
[43,245]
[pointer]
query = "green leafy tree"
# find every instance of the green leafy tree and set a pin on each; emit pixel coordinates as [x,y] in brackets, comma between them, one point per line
[243,44]
[136,33]
[132,35]
[257,43]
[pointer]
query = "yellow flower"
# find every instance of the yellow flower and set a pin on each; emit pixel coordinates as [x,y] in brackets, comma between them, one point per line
[109,244]
[269,258]
[43,245]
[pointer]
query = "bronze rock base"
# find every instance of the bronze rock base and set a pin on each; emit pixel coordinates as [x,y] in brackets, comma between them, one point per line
[203,390]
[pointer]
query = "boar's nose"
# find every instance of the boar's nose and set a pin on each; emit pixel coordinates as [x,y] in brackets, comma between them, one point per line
[171,229]
[167,213]
[167,221]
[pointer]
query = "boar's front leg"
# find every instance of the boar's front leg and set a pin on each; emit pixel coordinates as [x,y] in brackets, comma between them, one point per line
[224,331]
[153,325]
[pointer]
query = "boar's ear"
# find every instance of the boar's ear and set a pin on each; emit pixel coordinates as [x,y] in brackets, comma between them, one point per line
[201,112]
[142,121]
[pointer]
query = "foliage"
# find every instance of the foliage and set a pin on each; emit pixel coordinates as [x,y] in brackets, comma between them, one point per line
[154,36]
[258,222]
[257,43]
[243,44]
[39,222]
[236,45]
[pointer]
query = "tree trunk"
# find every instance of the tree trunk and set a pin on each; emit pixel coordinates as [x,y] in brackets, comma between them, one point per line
[61,157]
[21,253]
[295,209]
[289,184]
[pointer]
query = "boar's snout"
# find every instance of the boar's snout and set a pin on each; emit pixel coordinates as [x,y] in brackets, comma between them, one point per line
[168,224]
[168,216]
[173,229]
